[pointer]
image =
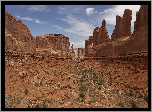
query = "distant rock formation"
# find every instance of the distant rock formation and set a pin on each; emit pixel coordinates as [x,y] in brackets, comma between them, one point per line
[103,36]
[81,52]
[122,42]
[58,42]
[19,39]
[89,47]
[95,36]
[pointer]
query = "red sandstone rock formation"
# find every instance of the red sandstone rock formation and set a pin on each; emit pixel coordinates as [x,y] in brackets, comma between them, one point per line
[122,42]
[57,42]
[95,36]
[100,35]
[123,25]
[139,39]
[89,47]
[103,36]
[19,37]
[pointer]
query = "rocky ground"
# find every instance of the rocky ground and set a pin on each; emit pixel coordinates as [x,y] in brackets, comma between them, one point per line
[34,83]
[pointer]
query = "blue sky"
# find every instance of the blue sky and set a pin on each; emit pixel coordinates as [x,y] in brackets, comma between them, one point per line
[74,21]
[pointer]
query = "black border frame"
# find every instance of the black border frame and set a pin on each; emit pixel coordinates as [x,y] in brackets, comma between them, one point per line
[3,3]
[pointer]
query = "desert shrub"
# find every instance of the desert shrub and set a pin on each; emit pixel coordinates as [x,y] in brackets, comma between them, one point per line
[82,96]
[41,83]
[8,101]
[15,59]
[17,99]
[101,96]
[38,84]
[83,87]
[100,81]
[140,95]
[146,98]
[11,76]
[26,91]
[41,105]
[38,105]
[92,101]
[81,80]
[14,49]
[46,72]
[133,104]
[94,77]
[121,104]
[131,93]
[11,100]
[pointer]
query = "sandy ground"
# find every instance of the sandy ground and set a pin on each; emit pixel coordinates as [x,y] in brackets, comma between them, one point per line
[75,84]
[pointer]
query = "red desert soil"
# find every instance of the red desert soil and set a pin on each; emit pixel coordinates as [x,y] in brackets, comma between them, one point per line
[75,83]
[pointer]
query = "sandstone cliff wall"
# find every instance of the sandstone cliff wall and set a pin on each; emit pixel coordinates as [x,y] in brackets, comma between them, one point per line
[122,42]
[123,25]
[20,37]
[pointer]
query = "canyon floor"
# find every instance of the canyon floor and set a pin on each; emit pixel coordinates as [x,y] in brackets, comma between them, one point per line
[34,83]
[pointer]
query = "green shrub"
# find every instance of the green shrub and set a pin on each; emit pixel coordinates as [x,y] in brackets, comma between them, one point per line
[26,91]
[39,105]
[17,99]
[100,81]
[146,98]
[133,104]
[8,101]
[11,100]
[81,80]
[92,101]
[41,83]
[101,96]
[131,93]
[82,96]
[121,104]
[94,77]
[140,95]
[83,88]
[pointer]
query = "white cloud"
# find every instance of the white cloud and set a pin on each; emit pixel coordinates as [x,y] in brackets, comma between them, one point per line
[40,22]
[78,44]
[90,11]
[27,18]
[110,14]
[57,27]
[31,19]
[106,11]
[41,8]
[78,26]
[18,16]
